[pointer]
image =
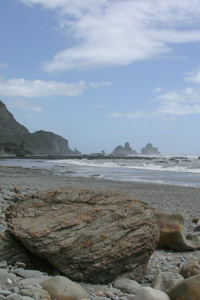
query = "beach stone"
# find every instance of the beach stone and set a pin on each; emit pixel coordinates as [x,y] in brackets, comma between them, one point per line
[188,289]
[20,264]
[26,298]
[6,280]
[17,189]
[88,235]
[165,280]
[195,220]
[3,264]
[61,288]
[127,285]
[13,296]
[190,268]
[171,233]
[33,281]
[147,293]
[35,292]
[28,273]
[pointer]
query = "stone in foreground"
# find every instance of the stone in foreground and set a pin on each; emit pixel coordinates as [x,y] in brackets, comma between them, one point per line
[90,236]
[61,288]
[190,268]
[188,289]
[172,235]
[147,293]
[166,280]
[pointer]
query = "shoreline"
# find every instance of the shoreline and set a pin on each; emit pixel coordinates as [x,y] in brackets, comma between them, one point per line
[169,198]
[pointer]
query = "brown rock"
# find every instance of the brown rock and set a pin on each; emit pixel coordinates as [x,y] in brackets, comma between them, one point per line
[17,189]
[188,289]
[195,220]
[91,236]
[190,268]
[171,233]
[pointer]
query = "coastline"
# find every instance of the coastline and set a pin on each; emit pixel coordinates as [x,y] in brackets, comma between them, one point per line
[169,198]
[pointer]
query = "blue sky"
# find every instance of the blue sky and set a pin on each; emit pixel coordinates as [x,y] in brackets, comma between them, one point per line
[104,72]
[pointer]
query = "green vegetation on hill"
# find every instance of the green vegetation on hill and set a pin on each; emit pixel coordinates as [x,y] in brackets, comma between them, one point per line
[13,148]
[13,135]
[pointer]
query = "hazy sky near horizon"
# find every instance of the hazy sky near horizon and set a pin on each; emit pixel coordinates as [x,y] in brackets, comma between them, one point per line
[104,72]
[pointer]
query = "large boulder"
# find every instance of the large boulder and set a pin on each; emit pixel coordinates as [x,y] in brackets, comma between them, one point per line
[172,234]
[90,236]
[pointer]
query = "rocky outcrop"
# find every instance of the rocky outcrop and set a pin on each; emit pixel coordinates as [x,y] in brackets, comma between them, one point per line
[91,236]
[40,142]
[126,150]
[172,234]
[149,150]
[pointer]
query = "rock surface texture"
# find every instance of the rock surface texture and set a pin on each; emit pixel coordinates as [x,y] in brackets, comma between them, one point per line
[90,236]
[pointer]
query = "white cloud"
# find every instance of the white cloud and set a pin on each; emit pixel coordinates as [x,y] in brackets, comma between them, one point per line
[119,32]
[171,105]
[188,95]
[99,84]
[25,105]
[171,110]
[178,109]
[194,76]
[39,88]
[158,90]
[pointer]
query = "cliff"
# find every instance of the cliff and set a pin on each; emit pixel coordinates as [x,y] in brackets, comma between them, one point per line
[39,142]
[8,124]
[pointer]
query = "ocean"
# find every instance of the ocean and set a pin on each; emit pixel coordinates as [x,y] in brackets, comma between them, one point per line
[175,170]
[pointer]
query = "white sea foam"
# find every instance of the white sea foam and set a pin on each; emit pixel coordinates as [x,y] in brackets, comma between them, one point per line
[177,170]
[192,166]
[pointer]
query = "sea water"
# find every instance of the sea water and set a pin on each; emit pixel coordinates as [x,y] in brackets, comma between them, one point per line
[177,170]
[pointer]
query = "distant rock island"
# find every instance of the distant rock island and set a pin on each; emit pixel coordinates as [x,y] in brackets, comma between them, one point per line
[39,142]
[126,150]
[149,150]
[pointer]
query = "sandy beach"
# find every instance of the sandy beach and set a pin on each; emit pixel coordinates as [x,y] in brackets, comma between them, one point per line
[169,198]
